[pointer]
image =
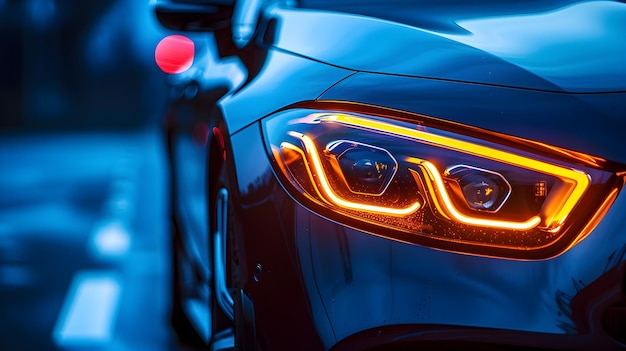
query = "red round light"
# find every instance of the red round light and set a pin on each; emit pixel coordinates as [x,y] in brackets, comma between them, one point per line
[174,54]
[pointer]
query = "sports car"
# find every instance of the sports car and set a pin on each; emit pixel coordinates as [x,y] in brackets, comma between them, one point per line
[380,175]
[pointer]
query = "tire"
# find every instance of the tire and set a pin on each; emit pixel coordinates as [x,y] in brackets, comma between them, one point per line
[245,338]
[183,327]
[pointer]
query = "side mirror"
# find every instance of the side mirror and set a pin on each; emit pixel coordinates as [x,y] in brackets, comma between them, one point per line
[194,15]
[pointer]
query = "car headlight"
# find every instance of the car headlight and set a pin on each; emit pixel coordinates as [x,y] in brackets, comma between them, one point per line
[426,181]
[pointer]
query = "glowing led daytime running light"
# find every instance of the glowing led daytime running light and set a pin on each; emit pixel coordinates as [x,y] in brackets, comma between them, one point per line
[576,182]
[602,210]
[313,156]
[433,174]
[290,146]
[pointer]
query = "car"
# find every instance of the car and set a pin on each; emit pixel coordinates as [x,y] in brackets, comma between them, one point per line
[371,175]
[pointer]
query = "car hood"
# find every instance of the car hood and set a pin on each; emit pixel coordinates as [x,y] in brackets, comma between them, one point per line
[576,48]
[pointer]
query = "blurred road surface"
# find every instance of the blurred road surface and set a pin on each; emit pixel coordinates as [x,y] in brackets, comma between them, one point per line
[84,241]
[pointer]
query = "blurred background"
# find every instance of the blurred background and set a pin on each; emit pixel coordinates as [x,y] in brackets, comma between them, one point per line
[69,64]
[84,231]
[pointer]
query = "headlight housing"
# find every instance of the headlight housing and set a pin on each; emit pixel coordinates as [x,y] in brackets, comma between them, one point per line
[425,181]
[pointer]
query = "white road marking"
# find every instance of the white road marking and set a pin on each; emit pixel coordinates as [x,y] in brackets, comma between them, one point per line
[91,305]
[89,310]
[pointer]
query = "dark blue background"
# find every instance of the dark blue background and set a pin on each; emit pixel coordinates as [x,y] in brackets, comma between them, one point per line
[83,180]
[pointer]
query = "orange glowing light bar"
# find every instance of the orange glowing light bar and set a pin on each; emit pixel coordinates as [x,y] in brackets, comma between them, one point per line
[313,156]
[289,146]
[444,198]
[595,220]
[576,182]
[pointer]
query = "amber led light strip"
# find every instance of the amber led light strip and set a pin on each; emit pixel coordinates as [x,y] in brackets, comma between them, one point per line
[451,210]
[290,146]
[576,182]
[313,157]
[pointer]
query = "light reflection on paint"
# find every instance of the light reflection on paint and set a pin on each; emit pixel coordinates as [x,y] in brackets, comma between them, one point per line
[595,29]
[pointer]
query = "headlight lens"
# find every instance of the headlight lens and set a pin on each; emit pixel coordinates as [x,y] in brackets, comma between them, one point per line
[439,184]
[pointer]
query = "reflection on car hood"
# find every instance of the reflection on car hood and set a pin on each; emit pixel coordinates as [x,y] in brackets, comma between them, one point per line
[576,48]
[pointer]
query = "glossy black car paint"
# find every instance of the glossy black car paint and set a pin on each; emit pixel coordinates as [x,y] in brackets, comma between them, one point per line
[312,283]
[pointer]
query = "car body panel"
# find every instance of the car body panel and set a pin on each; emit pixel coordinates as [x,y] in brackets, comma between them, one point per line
[408,284]
[355,281]
[576,48]
[317,283]
[589,123]
[288,78]
[268,263]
